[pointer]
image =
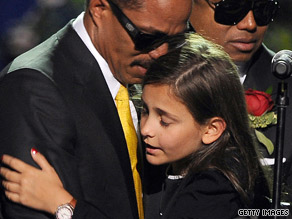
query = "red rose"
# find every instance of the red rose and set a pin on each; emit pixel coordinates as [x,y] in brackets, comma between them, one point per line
[258,102]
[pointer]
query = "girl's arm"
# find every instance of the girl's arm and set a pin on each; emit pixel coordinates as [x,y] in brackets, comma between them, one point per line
[41,189]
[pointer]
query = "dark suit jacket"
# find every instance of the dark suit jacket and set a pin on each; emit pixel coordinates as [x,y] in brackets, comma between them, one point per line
[260,77]
[55,98]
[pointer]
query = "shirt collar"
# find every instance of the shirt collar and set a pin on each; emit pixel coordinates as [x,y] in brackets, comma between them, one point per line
[242,70]
[111,81]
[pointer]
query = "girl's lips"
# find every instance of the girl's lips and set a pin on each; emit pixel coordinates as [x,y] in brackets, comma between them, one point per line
[150,149]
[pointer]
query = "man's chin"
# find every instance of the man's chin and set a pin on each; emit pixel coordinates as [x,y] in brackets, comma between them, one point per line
[135,80]
[241,57]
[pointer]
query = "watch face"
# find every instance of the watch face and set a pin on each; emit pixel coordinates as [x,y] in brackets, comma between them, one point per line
[64,212]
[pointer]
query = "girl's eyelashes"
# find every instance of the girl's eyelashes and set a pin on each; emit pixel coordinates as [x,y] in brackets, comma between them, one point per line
[145,112]
[144,109]
[163,123]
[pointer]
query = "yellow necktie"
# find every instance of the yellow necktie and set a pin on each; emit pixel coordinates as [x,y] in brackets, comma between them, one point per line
[123,107]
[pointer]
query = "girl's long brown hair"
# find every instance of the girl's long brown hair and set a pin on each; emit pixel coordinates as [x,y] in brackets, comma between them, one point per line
[205,79]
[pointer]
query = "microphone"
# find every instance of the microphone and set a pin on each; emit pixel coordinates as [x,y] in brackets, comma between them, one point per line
[282,64]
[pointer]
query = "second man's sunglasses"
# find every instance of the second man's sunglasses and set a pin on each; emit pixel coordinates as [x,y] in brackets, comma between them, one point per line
[231,12]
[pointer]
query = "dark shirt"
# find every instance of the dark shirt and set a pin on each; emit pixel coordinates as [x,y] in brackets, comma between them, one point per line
[205,195]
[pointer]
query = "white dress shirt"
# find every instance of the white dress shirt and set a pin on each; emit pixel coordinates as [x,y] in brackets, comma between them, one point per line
[112,83]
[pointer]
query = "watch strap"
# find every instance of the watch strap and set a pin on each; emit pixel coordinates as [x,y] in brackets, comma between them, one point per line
[73,203]
[70,206]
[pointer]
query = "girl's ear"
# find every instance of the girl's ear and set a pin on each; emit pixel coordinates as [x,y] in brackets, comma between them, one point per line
[213,130]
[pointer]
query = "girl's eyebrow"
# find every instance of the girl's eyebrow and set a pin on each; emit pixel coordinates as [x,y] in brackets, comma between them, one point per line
[161,112]
[167,114]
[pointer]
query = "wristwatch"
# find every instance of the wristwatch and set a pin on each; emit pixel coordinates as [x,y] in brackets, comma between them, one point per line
[65,211]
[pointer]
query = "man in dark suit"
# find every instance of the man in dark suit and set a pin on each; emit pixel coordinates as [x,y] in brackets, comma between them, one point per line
[59,98]
[235,26]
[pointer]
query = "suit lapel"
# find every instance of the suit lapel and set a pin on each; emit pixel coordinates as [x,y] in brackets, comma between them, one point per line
[102,103]
[259,75]
[98,97]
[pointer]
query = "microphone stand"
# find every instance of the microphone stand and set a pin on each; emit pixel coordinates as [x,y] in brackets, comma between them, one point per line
[282,102]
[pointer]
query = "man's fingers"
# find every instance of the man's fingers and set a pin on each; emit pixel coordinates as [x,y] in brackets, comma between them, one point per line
[15,163]
[10,175]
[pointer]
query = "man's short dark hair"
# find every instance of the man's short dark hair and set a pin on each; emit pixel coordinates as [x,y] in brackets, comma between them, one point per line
[133,4]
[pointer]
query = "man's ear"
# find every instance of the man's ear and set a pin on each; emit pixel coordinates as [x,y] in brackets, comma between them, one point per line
[96,7]
[213,130]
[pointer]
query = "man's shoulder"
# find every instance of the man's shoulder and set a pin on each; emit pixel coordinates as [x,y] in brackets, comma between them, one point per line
[41,58]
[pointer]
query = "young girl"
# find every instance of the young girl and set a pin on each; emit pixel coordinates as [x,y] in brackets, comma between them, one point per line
[194,120]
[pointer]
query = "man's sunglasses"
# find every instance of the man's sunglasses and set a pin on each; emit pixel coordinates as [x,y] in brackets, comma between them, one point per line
[142,41]
[231,12]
